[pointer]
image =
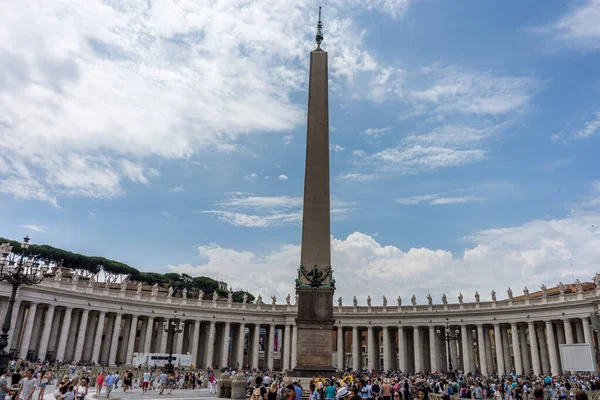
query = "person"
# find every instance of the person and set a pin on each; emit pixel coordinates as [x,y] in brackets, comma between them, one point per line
[69,394]
[259,392]
[386,389]
[314,394]
[330,391]
[99,382]
[146,381]
[581,395]
[27,386]
[127,377]
[212,383]
[171,383]
[477,392]
[343,394]
[288,393]
[272,394]
[538,393]
[298,390]
[15,377]
[109,382]
[4,389]
[82,390]
[162,381]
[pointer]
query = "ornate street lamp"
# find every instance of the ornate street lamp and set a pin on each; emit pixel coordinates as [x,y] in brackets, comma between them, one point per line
[448,337]
[17,269]
[172,326]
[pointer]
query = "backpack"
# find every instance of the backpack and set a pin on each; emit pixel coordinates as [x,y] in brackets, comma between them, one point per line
[256,395]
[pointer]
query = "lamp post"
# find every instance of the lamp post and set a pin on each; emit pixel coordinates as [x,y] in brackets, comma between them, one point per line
[17,269]
[173,326]
[447,336]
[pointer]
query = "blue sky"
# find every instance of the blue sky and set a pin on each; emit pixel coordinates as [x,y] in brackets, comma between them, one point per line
[170,135]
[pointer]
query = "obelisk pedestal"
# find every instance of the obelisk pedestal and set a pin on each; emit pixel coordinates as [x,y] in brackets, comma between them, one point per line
[315,284]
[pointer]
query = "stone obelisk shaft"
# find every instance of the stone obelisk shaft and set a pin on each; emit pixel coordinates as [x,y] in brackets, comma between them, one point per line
[316,247]
[314,285]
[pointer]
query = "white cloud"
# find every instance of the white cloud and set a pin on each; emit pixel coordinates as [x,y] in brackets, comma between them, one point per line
[351,176]
[358,153]
[288,139]
[579,27]
[437,199]
[263,211]
[459,90]
[251,176]
[37,228]
[373,134]
[414,159]
[591,127]
[336,148]
[527,255]
[99,91]
[177,189]
[283,177]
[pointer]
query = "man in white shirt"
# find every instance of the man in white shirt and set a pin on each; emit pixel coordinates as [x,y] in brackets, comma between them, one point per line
[27,386]
[146,381]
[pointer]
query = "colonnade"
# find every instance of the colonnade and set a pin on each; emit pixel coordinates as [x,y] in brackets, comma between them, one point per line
[45,331]
[71,321]
[497,348]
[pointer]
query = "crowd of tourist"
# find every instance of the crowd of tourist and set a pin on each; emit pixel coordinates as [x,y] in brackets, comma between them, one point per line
[25,380]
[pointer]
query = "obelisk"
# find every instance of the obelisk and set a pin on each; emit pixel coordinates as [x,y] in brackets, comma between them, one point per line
[315,284]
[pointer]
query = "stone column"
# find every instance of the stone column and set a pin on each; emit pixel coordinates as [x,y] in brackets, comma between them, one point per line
[401,349]
[554,365]
[81,335]
[271,344]
[46,333]
[471,350]
[535,353]
[433,350]
[514,333]
[294,360]
[98,337]
[506,350]
[179,342]
[418,351]
[28,331]
[499,352]
[62,342]
[340,348]
[386,348]
[112,355]
[355,349]
[525,355]
[164,336]
[225,346]
[149,336]
[587,331]
[488,351]
[210,345]
[131,341]
[481,350]
[465,348]
[579,332]
[543,349]
[196,343]
[242,340]
[371,349]
[453,352]
[568,331]
[13,323]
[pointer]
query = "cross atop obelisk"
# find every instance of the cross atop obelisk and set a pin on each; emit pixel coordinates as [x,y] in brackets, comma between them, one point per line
[315,283]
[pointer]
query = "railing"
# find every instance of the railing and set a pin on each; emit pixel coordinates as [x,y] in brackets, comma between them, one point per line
[83,287]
